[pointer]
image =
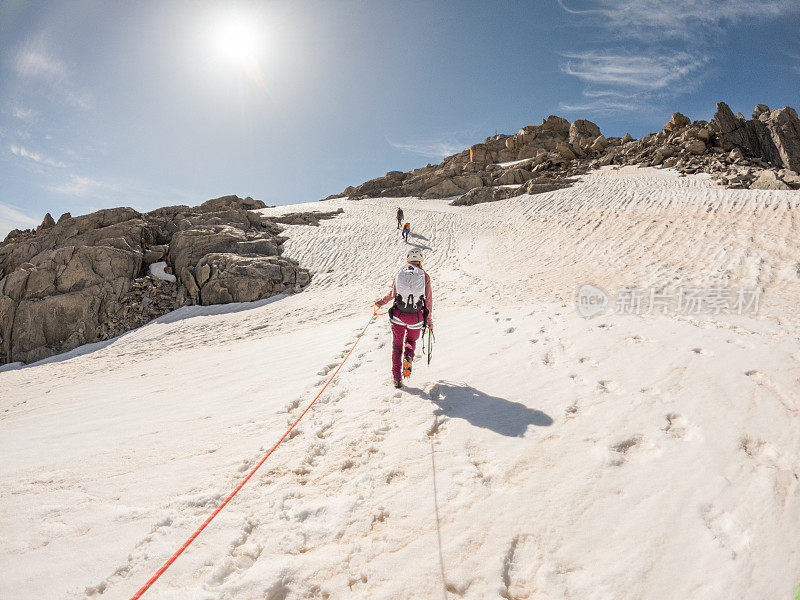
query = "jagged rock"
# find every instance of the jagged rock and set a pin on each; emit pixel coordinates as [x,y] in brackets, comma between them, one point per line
[662,154]
[188,281]
[188,246]
[582,129]
[677,122]
[543,184]
[565,152]
[311,217]
[154,254]
[443,189]
[468,181]
[577,150]
[479,154]
[64,217]
[791,178]
[759,110]
[513,177]
[607,158]
[698,133]
[736,155]
[695,146]
[670,162]
[47,223]
[83,279]
[558,146]
[784,128]
[774,136]
[245,279]
[554,123]
[599,144]
[767,180]
[485,194]
[202,273]
[231,203]
[261,247]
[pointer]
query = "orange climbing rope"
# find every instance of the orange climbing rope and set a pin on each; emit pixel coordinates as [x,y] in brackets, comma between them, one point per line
[252,472]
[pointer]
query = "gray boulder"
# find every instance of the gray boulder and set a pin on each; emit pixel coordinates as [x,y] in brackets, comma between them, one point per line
[86,278]
[581,130]
[677,121]
[485,194]
[768,180]
[245,279]
[773,136]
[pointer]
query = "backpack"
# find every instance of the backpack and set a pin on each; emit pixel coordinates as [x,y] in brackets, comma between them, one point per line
[409,285]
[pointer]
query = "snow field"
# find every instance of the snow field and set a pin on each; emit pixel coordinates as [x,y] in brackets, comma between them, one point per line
[619,457]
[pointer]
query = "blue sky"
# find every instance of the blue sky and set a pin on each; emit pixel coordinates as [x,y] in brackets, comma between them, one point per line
[146,104]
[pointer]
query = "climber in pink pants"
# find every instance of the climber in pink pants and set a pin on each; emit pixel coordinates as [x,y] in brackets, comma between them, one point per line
[404,340]
[411,311]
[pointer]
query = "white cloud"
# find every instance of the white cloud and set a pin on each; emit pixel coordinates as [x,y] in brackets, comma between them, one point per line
[42,160]
[22,113]
[12,218]
[82,187]
[679,19]
[437,150]
[604,105]
[654,32]
[631,71]
[590,93]
[36,63]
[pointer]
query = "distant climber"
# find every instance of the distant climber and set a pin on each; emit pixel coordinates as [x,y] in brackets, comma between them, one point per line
[399,218]
[411,311]
[406,231]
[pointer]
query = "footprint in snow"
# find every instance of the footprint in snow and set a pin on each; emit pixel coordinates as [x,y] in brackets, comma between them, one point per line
[702,351]
[620,450]
[676,425]
[788,400]
[607,386]
[327,369]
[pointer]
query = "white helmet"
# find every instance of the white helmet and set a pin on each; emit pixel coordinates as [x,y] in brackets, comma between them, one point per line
[414,255]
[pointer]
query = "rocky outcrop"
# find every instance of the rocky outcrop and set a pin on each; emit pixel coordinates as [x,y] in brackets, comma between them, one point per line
[87,278]
[772,135]
[763,153]
[555,141]
[546,182]
[307,218]
[581,130]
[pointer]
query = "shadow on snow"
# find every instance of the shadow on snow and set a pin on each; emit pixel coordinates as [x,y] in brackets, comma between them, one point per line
[460,401]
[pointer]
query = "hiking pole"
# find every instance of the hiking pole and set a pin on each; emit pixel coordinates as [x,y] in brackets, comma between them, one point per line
[431,339]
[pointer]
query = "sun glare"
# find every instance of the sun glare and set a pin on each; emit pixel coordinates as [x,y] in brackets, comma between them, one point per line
[237,40]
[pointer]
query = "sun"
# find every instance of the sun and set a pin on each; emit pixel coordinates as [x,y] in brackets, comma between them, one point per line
[236,40]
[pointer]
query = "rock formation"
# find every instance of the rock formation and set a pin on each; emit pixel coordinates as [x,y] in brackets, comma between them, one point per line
[760,153]
[86,279]
[312,217]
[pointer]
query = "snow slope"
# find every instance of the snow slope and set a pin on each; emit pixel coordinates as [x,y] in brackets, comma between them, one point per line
[540,455]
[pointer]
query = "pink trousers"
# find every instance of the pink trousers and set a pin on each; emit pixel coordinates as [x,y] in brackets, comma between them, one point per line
[404,339]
